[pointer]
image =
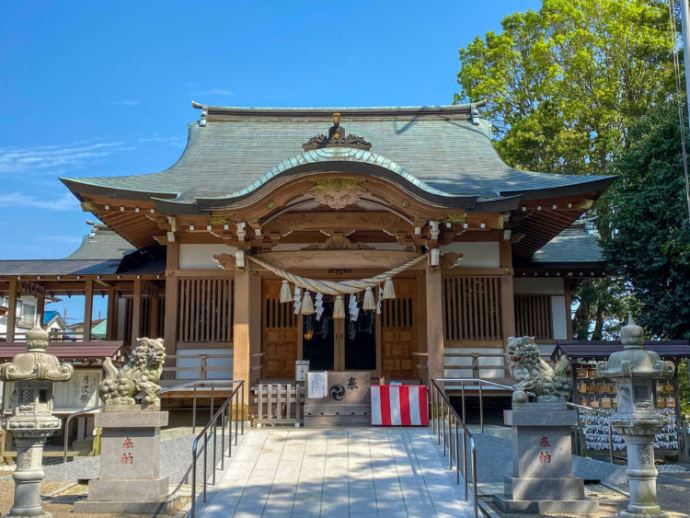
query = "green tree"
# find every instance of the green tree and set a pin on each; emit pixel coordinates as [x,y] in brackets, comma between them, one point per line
[646,229]
[562,85]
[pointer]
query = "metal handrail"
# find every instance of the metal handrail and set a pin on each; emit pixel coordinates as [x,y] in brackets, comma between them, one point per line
[442,425]
[480,382]
[476,381]
[224,415]
[191,384]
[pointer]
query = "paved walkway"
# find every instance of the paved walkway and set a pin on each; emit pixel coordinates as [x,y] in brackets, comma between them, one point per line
[336,473]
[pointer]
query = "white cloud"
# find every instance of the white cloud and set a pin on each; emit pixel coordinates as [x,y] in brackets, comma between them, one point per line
[127,102]
[218,91]
[33,158]
[157,139]
[64,202]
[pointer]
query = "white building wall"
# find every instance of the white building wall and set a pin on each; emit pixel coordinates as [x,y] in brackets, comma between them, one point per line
[538,286]
[476,255]
[200,257]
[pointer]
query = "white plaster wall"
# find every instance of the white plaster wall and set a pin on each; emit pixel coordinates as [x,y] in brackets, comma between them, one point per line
[476,255]
[191,359]
[200,257]
[538,286]
[558,314]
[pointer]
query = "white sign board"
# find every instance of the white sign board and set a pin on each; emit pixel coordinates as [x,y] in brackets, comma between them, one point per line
[80,392]
[301,369]
[317,385]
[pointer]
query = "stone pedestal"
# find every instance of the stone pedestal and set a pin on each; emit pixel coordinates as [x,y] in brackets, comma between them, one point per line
[542,480]
[639,442]
[129,480]
[29,473]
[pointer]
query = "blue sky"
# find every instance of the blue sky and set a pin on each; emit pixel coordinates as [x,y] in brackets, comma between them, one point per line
[104,88]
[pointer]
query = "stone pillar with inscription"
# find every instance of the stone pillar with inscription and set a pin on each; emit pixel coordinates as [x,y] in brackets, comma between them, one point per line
[635,372]
[129,480]
[542,480]
[32,422]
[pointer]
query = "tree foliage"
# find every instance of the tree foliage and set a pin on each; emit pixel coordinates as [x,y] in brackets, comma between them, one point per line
[646,230]
[562,87]
[563,84]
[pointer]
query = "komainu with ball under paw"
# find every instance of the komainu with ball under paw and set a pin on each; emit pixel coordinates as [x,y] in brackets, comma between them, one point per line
[533,375]
[138,380]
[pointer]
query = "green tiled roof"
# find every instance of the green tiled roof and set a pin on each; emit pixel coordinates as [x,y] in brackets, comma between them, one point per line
[101,243]
[440,150]
[573,245]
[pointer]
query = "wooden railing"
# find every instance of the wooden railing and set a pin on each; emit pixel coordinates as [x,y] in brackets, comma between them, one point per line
[59,337]
[476,366]
[200,371]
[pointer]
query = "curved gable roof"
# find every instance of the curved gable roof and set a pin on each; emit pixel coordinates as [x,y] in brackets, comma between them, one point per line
[443,150]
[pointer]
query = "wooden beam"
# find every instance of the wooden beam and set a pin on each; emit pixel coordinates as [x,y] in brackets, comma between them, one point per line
[136,312]
[88,309]
[434,322]
[12,310]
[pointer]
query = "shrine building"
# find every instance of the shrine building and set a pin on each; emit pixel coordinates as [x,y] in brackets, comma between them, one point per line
[393,240]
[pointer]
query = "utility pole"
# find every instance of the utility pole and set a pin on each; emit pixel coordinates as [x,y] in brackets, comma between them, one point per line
[685,18]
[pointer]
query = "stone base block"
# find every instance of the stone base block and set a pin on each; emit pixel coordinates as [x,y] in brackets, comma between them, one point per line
[120,508]
[340,421]
[139,490]
[584,507]
[524,488]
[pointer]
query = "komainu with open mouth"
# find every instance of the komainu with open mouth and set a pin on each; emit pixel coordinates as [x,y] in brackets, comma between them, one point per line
[533,375]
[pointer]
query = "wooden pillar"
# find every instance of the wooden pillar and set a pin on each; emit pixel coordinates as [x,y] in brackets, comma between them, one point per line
[241,361]
[88,309]
[171,296]
[507,292]
[154,308]
[568,296]
[41,308]
[12,309]
[434,321]
[111,315]
[136,310]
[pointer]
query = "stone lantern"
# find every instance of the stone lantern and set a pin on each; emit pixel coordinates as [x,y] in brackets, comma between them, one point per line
[635,372]
[32,422]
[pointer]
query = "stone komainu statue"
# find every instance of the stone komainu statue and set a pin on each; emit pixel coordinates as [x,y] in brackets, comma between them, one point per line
[138,380]
[533,375]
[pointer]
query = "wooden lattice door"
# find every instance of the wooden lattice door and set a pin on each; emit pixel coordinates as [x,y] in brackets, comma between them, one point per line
[279,334]
[398,333]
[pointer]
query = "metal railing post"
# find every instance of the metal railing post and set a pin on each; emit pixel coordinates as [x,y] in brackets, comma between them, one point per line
[450,442]
[194,411]
[457,453]
[205,462]
[473,456]
[481,409]
[215,436]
